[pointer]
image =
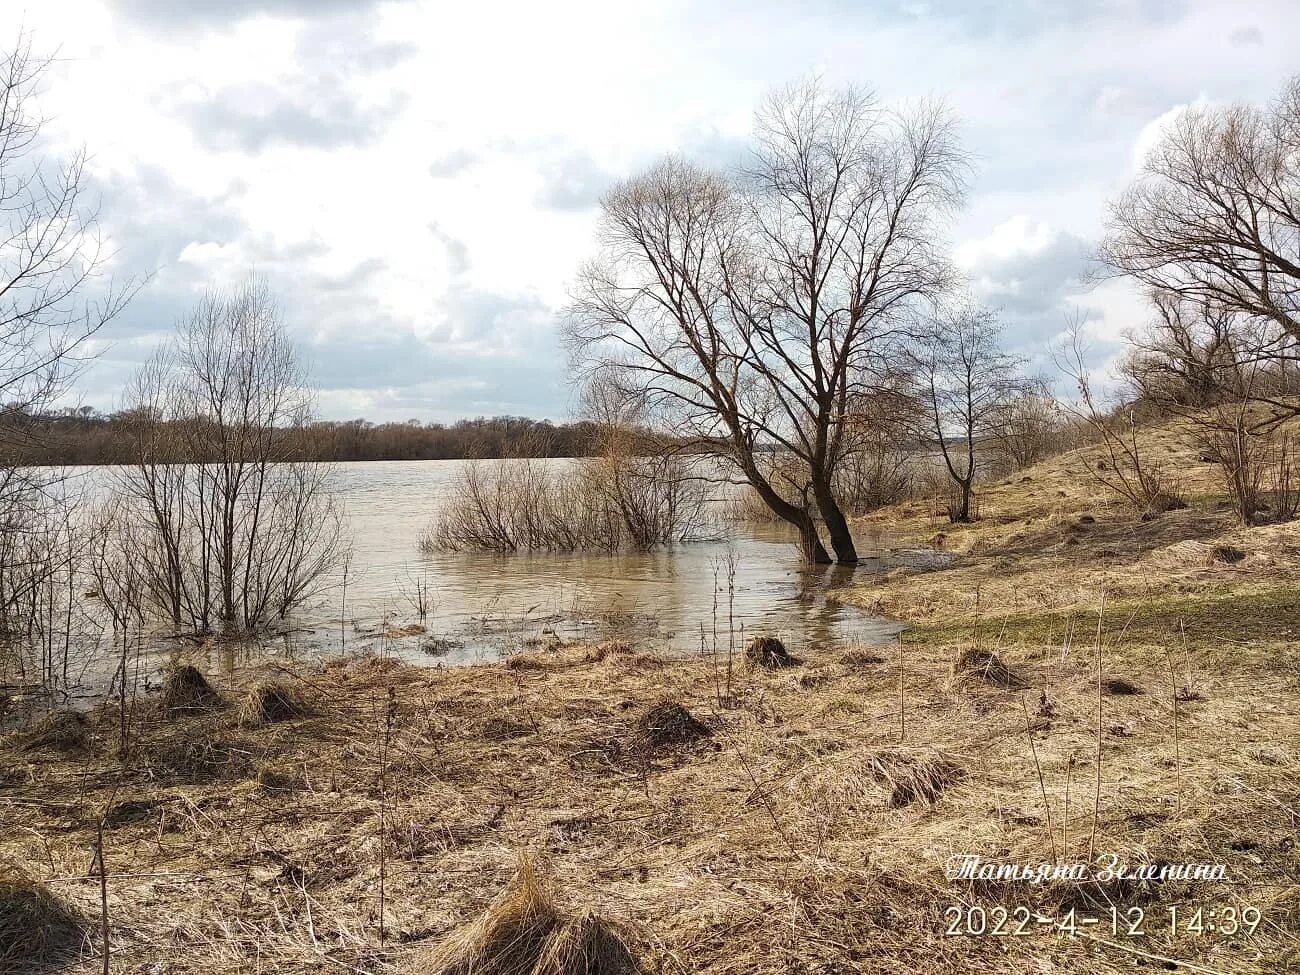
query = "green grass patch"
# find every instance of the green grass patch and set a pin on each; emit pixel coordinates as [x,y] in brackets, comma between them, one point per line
[1210,621]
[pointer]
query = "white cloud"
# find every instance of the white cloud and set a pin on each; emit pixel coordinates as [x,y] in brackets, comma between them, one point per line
[421,173]
[1155,129]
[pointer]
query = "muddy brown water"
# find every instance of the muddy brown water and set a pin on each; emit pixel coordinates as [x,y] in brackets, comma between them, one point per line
[480,606]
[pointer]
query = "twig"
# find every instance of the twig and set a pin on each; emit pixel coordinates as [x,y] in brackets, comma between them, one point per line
[1178,758]
[103,892]
[1042,785]
[1096,796]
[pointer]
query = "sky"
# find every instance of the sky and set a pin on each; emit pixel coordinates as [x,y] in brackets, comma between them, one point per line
[419,181]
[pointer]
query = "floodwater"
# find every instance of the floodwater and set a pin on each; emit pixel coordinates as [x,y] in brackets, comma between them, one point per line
[481,605]
[440,608]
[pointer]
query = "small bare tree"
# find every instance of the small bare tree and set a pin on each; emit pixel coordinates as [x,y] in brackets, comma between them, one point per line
[236,529]
[964,382]
[1126,469]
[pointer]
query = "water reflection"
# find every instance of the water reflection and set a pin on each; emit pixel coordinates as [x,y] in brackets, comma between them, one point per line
[748,580]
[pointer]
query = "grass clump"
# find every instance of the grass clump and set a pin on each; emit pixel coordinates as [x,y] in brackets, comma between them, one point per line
[270,702]
[60,731]
[1120,686]
[199,759]
[861,657]
[668,724]
[36,928]
[186,690]
[1228,554]
[769,653]
[985,666]
[523,932]
[587,945]
[912,778]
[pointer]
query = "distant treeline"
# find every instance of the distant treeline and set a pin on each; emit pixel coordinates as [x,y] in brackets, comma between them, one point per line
[83,436]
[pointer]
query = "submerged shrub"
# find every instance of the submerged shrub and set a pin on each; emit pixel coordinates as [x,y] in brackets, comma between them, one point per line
[594,503]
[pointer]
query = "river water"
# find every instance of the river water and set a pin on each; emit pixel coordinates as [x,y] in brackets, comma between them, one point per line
[481,605]
[746,580]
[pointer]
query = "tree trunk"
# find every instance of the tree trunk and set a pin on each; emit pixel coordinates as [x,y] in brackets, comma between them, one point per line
[810,542]
[837,526]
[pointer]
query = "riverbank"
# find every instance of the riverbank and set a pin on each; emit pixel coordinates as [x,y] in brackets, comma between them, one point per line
[1053,551]
[801,819]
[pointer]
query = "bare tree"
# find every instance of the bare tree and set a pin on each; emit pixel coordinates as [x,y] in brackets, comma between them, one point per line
[1214,216]
[53,299]
[237,529]
[965,381]
[748,310]
[1126,469]
[1230,377]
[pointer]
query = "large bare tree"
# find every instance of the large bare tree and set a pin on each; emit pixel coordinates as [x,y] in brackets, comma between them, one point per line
[1214,215]
[751,309]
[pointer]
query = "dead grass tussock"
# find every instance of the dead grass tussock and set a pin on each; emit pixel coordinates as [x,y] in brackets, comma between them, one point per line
[1120,686]
[186,690]
[524,932]
[975,664]
[268,702]
[200,756]
[36,928]
[879,778]
[862,657]
[769,653]
[60,731]
[667,724]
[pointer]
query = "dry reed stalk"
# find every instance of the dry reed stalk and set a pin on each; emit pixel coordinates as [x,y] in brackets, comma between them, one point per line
[1178,758]
[1096,796]
[1042,784]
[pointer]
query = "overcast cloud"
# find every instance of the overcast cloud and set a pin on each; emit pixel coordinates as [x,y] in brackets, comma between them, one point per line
[419,181]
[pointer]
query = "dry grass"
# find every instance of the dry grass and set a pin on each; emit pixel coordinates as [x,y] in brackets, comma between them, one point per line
[185,689]
[1050,544]
[808,839]
[271,701]
[37,931]
[523,932]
